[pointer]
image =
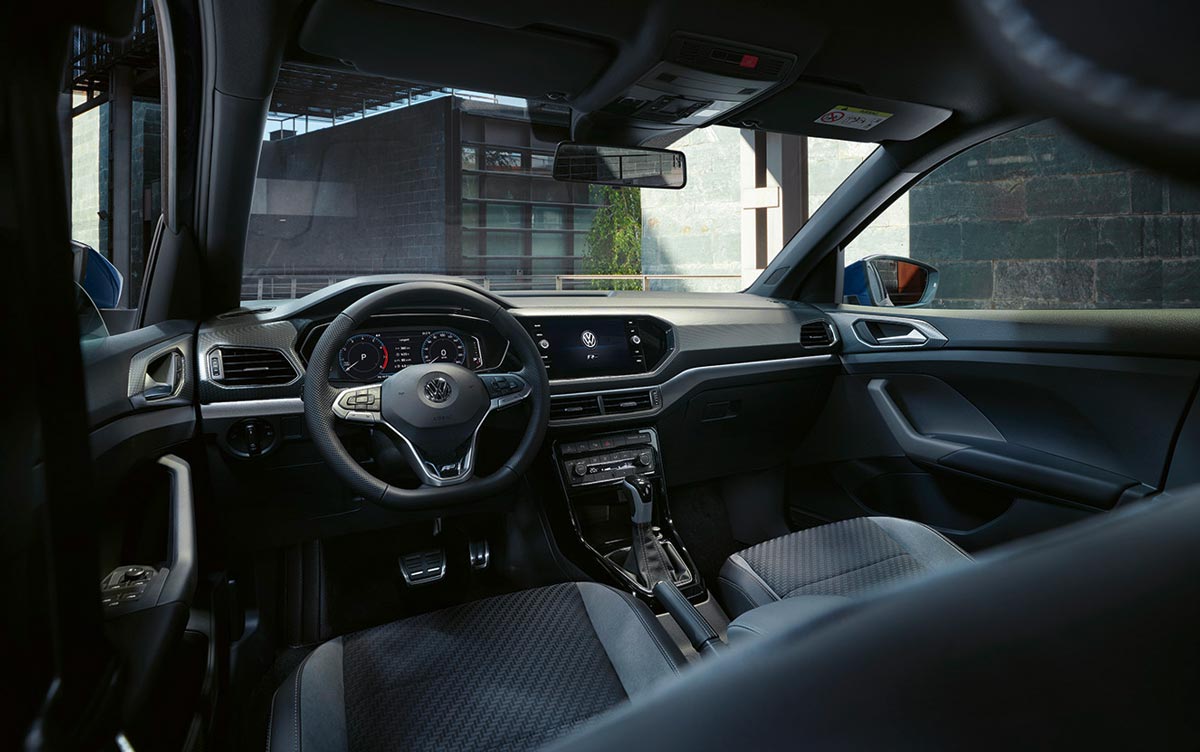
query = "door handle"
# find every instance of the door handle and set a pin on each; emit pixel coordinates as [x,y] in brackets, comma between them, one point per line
[163,378]
[893,332]
[913,337]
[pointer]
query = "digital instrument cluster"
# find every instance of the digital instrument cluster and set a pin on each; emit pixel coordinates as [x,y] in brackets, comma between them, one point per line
[373,356]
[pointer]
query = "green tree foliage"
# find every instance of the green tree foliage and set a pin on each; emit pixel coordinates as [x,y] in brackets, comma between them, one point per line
[614,244]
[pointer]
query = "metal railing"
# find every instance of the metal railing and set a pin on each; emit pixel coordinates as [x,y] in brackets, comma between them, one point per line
[643,278]
[291,286]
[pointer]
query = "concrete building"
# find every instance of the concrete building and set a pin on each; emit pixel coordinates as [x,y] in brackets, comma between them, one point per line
[452,184]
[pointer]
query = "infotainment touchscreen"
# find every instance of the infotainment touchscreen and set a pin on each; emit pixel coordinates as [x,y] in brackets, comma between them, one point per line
[579,347]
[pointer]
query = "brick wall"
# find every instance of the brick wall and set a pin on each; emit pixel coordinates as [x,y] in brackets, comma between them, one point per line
[377,187]
[1038,219]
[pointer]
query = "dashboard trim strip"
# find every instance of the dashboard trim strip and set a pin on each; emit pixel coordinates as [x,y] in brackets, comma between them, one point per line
[676,387]
[672,389]
[252,408]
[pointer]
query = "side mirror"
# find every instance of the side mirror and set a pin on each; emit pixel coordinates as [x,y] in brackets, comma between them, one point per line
[615,165]
[91,323]
[889,281]
[96,275]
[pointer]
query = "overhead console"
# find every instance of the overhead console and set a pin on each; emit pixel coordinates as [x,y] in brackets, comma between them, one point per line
[698,81]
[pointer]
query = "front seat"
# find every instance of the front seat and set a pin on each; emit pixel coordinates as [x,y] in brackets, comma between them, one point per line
[509,672]
[846,558]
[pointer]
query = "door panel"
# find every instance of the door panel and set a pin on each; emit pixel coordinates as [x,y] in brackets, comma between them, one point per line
[1011,425]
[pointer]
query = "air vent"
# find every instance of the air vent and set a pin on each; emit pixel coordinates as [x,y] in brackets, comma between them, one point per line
[568,408]
[626,402]
[816,334]
[250,366]
[772,66]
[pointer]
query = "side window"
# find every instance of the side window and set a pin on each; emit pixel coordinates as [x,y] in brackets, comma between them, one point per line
[114,139]
[1035,218]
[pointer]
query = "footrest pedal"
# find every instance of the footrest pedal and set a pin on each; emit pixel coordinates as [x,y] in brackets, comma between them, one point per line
[423,567]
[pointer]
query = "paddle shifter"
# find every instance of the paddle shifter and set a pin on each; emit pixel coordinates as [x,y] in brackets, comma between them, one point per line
[647,561]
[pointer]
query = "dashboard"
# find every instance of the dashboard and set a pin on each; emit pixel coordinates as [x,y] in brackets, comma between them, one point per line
[714,373]
[608,356]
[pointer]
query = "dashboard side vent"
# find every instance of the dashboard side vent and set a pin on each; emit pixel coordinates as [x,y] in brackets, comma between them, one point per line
[627,402]
[816,334]
[251,366]
[568,408]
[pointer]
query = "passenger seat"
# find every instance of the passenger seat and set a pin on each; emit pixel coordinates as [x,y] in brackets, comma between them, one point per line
[846,558]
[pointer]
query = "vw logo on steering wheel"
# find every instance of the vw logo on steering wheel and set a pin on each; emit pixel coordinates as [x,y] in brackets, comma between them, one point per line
[438,389]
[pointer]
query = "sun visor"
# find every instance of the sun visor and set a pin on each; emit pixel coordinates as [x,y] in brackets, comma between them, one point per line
[823,111]
[445,51]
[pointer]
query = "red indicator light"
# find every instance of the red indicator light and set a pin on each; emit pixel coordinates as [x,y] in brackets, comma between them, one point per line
[749,61]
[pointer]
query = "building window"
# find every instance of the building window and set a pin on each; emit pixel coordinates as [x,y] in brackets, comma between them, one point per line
[553,192]
[470,158]
[501,160]
[505,215]
[470,243]
[505,187]
[584,218]
[470,215]
[541,164]
[549,217]
[504,244]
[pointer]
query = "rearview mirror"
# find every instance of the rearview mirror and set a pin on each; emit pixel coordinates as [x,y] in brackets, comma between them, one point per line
[616,165]
[889,281]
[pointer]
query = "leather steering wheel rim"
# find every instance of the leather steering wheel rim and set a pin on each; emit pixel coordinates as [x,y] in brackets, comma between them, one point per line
[320,398]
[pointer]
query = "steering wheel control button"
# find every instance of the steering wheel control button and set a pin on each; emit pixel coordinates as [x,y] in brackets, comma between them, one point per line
[505,389]
[359,404]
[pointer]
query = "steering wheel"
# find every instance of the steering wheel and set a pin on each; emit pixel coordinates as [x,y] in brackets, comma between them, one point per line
[432,410]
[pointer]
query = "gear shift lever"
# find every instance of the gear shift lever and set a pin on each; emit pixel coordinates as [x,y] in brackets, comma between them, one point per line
[647,561]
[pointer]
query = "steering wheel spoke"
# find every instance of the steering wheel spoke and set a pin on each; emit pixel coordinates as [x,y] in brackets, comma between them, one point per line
[506,389]
[359,404]
[447,469]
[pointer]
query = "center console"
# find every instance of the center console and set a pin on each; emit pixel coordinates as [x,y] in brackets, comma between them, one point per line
[617,497]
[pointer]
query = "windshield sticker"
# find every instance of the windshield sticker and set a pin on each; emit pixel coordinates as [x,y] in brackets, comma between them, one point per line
[853,117]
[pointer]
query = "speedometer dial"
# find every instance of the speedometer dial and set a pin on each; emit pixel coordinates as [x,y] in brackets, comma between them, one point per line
[444,347]
[363,357]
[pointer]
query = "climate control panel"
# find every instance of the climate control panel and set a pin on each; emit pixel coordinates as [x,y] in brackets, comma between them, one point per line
[608,458]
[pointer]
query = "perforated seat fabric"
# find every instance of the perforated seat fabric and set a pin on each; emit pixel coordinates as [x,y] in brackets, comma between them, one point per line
[846,558]
[510,672]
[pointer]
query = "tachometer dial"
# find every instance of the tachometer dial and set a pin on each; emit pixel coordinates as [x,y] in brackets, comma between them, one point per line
[363,357]
[444,347]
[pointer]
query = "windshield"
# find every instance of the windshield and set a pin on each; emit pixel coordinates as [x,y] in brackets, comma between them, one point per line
[360,175]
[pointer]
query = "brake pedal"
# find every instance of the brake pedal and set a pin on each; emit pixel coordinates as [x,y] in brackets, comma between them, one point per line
[423,567]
